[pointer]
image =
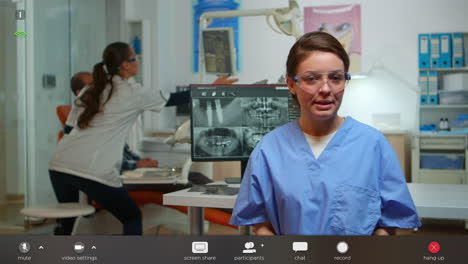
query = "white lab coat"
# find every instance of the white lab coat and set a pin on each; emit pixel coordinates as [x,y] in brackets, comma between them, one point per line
[95,153]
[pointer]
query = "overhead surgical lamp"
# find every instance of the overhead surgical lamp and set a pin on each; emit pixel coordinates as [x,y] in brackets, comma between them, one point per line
[288,21]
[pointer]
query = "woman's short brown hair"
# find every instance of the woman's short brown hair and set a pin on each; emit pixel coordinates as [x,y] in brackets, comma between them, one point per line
[310,42]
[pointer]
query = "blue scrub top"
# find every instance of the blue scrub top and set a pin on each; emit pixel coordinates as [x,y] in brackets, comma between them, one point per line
[354,186]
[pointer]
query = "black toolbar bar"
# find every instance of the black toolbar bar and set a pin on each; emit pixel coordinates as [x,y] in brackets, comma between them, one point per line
[233,249]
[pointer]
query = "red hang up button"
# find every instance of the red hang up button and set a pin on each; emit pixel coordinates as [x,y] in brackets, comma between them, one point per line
[434,247]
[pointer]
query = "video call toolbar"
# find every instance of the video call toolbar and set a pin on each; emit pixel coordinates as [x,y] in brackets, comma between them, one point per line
[233,249]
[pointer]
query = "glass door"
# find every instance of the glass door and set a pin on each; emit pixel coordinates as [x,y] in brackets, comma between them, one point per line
[12,116]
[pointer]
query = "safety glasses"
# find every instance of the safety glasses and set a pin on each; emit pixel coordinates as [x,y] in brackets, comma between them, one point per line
[311,81]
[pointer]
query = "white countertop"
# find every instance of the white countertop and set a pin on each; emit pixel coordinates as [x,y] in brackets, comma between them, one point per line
[445,201]
[197,199]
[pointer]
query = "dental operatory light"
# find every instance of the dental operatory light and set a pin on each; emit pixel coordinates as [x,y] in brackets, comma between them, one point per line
[288,22]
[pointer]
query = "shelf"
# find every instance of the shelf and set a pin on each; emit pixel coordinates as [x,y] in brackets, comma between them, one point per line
[431,134]
[440,176]
[441,106]
[445,69]
[443,172]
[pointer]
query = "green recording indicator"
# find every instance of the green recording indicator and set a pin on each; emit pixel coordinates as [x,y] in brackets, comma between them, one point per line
[20,33]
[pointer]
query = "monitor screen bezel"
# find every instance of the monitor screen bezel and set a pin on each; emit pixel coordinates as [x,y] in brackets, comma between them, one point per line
[192,150]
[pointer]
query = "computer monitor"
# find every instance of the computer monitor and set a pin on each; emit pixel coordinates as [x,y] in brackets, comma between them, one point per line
[227,121]
[218,51]
[183,110]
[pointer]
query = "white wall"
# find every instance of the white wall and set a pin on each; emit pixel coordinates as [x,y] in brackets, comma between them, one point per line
[87,34]
[389,39]
[163,17]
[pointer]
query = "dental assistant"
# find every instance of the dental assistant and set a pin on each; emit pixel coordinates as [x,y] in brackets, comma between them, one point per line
[89,158]
[323,174]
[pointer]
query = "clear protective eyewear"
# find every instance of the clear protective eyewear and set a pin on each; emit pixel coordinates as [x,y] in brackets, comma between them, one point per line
[310,81]
[131,60]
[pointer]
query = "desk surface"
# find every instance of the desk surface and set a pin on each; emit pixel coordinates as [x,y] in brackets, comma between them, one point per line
[151,180]
[447,201]
[154,184]
[197,199]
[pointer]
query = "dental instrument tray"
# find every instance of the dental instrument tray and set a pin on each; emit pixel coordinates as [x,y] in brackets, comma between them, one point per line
[163,174]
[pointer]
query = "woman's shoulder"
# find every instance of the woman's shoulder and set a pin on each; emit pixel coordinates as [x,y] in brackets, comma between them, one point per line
[371,135]
[363,129]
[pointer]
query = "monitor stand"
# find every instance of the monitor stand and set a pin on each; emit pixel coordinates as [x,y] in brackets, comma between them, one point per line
[236,180]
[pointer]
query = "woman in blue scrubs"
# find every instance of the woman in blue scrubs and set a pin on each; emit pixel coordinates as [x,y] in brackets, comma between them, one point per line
[323,174]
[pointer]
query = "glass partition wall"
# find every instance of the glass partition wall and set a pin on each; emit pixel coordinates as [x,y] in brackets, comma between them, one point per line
[12,118]
[62,37]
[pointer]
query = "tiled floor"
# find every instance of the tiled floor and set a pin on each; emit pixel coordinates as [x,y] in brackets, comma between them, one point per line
[11,222]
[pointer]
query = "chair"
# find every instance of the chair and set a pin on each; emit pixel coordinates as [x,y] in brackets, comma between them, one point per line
[211,214]
[60,210]
[62,113]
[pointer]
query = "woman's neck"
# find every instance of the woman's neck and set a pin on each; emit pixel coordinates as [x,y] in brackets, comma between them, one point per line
[124,75]
[320,128]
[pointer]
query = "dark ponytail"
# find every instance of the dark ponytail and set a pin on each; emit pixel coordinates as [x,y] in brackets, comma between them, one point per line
[103,72]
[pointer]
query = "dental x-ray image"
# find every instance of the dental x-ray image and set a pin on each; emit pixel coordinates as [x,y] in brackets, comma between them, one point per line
[264,111]
[216,112]
[217,142]
[252,136]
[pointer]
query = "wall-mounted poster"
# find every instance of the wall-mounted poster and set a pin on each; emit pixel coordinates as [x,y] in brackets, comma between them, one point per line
[343,22]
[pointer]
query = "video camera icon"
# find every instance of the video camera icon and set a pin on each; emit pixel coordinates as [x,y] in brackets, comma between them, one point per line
[79,247]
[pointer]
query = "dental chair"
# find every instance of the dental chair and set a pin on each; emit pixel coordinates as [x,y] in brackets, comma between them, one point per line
[180,137]
[62,113]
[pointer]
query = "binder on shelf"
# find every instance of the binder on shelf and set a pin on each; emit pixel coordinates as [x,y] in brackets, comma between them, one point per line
[445,50]
[458,50]
[435,51]
[433,87]
[424,51]
[423,87]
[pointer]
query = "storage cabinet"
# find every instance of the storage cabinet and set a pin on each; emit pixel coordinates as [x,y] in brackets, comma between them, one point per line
[440,156]
[440,159]
[436,146]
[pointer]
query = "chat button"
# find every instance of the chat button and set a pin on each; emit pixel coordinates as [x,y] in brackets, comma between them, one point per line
[200,247]
[300,246]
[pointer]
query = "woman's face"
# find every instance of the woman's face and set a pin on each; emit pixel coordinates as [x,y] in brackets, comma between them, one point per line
[319,94]
[131,65]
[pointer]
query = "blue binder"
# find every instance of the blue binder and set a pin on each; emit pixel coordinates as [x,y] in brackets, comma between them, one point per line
[458,50]
[433,87]
[424,51]
[423,87]
[445,50]
[435,51]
